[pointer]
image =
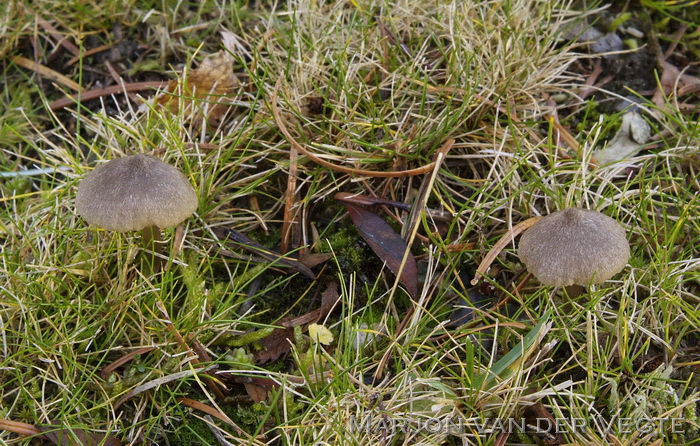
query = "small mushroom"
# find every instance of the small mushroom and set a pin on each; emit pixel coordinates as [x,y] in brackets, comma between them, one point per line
[136,193]
[574,247]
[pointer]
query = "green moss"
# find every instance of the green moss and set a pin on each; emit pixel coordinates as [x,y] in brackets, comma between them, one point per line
[344,244]
[16,112]
[250,416]
[193,432]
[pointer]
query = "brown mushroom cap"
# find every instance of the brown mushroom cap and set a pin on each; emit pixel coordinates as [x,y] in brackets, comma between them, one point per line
[135,192]
[574,247]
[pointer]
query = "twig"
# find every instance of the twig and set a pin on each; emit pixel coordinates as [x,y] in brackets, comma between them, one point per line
[289,214]
[60,39]
[46,72]
[113,89]
[676,39]
[90,52]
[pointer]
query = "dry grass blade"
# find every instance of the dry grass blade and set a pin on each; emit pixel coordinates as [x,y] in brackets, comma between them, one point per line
[189,402]
[159,382]
[507,238]
[106,371]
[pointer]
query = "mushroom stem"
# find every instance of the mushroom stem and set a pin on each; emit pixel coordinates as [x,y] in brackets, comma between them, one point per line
[152,242]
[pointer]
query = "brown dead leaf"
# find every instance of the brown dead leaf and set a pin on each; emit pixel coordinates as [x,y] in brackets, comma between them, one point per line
[313,260]
[673,81]
[70,437]
[279,342]
[257,387]
[189,402]
[206,91]
[104,374]
[543,424]
[256,393]
[58,435]
[276,345]
[328,300]
[386,244]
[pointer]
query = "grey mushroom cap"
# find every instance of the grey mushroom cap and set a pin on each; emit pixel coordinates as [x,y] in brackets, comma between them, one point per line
[135,192]
[574,247]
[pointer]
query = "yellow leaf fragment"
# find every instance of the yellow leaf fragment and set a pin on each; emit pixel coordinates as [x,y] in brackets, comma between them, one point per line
[320,334]
[205,91]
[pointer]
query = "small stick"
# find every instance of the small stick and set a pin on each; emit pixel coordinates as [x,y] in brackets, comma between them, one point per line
[113,89]
[90,52]
[20,428]
[498,247]
[289,214]
[60,39]
[46,72]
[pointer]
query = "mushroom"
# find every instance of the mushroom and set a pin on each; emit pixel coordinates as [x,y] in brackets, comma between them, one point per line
[574,247]
[136,193]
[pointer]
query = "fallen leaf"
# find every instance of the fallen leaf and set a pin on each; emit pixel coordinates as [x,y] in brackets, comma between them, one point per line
[328,300]
[633,134]
[320,334]
[208,410]
[70,437]
[312,260]
[672,79]
[104,374]
[543,424]
[386,244]
[205,91]
[256,393]
[275,345]
[58,435]
[257,388]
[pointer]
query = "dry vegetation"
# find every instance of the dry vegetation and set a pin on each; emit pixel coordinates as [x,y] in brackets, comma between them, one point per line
[270,110]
